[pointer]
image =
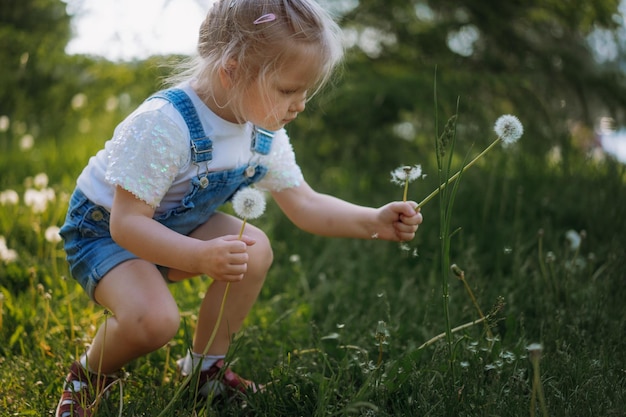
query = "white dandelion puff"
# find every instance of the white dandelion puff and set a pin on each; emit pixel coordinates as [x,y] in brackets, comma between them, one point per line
[404,174]
[508,128]
[9,197]
[52,234]
[6,255]
[574,239]
[534,348]
[249,203]
[27,142]
[38,200]
[41,180]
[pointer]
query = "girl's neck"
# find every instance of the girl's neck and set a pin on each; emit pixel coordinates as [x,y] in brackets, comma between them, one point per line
[213,99]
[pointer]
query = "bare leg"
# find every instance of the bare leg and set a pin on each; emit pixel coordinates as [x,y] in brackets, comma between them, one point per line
[145,316]
[241,295]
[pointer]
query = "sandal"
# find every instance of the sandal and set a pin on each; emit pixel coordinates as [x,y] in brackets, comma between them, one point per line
[221,380]
[82,392]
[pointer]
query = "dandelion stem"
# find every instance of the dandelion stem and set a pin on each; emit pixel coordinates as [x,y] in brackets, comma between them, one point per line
[475,302]
[96,403]
[243,226]
[219,319]
[456,329]
[221,312]
[537,389]
[406,190]
[455,176]
[216,326]
[1,308]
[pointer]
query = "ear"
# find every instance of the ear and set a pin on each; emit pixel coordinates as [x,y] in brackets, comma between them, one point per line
[227,74]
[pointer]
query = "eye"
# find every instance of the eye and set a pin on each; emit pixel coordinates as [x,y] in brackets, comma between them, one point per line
[288,92]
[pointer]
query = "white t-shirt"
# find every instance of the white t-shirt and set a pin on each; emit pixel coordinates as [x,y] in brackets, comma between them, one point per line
[150,156]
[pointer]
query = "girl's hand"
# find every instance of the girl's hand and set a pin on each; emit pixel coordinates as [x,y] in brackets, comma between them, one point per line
[399,221]
[225,258]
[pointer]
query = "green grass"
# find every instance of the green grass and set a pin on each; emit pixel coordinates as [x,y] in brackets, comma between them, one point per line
[313,332]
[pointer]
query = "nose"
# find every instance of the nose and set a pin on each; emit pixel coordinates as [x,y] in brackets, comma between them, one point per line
[298,106]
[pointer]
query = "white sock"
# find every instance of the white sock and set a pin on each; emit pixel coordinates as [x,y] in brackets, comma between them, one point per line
[85,364]
[190,362]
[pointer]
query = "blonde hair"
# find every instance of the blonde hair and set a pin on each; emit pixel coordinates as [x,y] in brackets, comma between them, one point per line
[233,32]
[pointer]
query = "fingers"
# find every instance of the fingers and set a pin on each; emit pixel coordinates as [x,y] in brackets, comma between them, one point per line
[408,221]
[227,258]
[405,232]
[235,262]
[244,238]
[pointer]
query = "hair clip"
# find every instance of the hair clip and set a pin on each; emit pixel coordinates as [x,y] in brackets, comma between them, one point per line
[270,17]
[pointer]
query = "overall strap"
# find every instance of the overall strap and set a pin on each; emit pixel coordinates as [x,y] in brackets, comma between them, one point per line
[201,144]
[261,140]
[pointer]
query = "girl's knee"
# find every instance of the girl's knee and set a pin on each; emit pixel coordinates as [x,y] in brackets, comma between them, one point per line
[152,327]
[261,254]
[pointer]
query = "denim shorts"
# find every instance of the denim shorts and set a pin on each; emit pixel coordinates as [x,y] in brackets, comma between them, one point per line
[90,250]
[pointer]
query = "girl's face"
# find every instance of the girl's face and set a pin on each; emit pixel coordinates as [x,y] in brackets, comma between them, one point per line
[277,101]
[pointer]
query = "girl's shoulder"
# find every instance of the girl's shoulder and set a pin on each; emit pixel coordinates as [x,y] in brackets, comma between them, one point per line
[158,110]
[155,125]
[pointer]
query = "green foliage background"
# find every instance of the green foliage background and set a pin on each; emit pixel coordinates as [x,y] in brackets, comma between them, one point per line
[313,330]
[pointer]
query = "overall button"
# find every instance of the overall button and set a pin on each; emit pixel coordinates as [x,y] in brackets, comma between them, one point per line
[97,215]
[204,182]
[250,171]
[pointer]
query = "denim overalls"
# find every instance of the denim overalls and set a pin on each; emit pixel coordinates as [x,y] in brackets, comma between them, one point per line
[92,253]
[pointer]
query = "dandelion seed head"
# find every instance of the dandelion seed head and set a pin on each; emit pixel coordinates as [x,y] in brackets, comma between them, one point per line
[574,239]
[9,197]
[5,122]
[38,200]
[249,203]
[52,234]
[534,350]
[41,180]
[27,142]
[406,173]
[509,128]
[6,255]
[534,347]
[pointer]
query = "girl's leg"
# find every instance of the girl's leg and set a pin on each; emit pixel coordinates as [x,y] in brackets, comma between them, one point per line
[241,295]
[145,315]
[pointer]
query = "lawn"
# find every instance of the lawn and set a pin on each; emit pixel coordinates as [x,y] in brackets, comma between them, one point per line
[347,327]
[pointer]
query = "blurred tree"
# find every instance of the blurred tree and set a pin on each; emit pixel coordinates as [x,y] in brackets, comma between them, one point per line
[33,35]
[48,94]
[531,58]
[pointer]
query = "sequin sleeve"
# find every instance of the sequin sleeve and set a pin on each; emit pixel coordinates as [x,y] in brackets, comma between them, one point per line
[145,155]
[283,171]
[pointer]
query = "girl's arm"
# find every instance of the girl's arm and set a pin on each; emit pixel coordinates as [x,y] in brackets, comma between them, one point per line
[133,228]
[330,216]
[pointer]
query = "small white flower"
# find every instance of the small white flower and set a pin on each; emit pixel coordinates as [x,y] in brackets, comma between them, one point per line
[249,203]
[534,350]
[509,128]
[574,239]
[27,142]
[38,200]
[41,180]
[406,173]
[7,255]
[5,122]
[534,347]
[9,197]
[52,234]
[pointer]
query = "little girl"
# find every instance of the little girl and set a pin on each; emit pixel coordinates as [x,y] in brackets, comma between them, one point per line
[144,212]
